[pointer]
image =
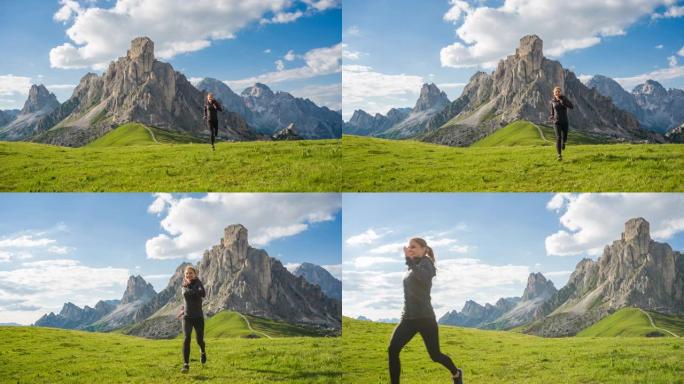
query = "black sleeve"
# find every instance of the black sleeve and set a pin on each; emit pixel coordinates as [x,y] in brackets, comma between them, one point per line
[567,103]
[200,289]
[195,290]
[423,270]
[218,106]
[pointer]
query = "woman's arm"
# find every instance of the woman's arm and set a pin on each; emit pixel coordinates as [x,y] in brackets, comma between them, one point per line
[553,112]
[567,103]
[194,290]
[423,269]
[218,105]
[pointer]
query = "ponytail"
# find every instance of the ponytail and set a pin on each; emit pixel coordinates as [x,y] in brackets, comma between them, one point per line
[430,254]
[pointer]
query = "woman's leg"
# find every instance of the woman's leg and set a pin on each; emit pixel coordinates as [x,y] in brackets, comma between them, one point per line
[557,128]
[199,332]
[187,333]
[402,334]
[565,134]
[430,332]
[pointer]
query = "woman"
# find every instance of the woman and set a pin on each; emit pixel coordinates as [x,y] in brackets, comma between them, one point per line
[193,292]
[418,315]
[211,108]
[559,117]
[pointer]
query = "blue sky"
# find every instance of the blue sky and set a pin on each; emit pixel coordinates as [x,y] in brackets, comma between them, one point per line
[486,244]
[100,239]
[215,40]
[391,47]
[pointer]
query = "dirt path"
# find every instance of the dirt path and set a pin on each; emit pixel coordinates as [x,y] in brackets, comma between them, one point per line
[653,324]
[250,326]
[541,133]
[151,134]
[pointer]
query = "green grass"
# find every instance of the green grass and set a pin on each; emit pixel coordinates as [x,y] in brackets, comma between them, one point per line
[44,355]
[376,165]
[227,324]
[138,134]
[525,133]
[631,322]
[259,166]
[505,357]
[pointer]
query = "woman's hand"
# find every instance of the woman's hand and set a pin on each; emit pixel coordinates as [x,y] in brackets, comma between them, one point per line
[186,282]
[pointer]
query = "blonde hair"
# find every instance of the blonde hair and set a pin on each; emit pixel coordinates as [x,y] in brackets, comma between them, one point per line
[558,88]
[191,267]
[210,95]
[430,253]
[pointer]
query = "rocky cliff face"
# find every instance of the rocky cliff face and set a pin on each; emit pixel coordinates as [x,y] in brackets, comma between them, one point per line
[363,124]
[270,112]
[7,116]
[40,102]
[138,292]
[318,275]
[621,98]
[634,271]
[521,88]
[139,88]
[273,111]
[73,317]
[240,278]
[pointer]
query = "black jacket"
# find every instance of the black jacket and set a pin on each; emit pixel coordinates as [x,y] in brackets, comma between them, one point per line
[211,109]
[559,109]
[417,286]
[192,295]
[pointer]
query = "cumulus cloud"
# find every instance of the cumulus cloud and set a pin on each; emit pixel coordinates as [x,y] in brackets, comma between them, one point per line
[592,221]
[27,244]
[661,75]
[280,65]
[329,95]
[349,54]
[670,12]
[43,286]
[290,55]
[318,62]
[367,237]
[99,35]
[480,42]
[192,224]
[13,90]
[672,61]
[375,92]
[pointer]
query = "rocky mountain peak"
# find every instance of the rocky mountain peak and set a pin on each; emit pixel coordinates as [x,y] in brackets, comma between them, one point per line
[538,286]
[431,97]
[530,50]
[650,88]
[637,231]
[137,289]
[235,238]
[39,98]
[142,51]
[258,90]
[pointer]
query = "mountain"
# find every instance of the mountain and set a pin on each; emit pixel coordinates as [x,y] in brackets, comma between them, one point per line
[318,275]
[676,134]
[507,312]
[240,278]
[655,107]
[135,88]
[363,124]
[430,102]
[273,111]
[270,112]
[40,102]
[634,271]
[476,315]
[521,88]
[7,116]
[73,317]
[138,293]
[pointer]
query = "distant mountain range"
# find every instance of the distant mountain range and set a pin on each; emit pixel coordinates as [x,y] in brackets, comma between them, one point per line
[520,88]
[139,88]
[318,275]
[634,271]
[236,277]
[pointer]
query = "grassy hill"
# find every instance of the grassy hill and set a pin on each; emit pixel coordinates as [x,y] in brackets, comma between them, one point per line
[227,324]
[523,132]
[139,134]
[634,322]
[45,355]
[375,165]
[259,166]
[508,357]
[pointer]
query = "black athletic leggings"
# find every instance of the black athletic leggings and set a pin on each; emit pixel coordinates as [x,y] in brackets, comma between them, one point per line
[188,324]
[213,128]
[561,130]
[404,332]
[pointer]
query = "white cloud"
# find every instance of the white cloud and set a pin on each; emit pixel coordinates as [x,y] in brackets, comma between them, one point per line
[349,54]
[11,85]
[292,266]
[192,225]
[661,75]
[329,95]
[25,241]
[659,46]
[322,5]
[592,221]
[671,12]
[290,55]
[363,262]
[672,61]
[100,35]
[318,62]
[43,286]
[267,50]
[375,92]
[367,237]
[352,31]
[681,51]
[335,270]
[481,42]
[280,65]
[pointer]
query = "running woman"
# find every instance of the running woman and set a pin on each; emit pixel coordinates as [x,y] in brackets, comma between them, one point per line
[559,117]
[193,317]
[211,109]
